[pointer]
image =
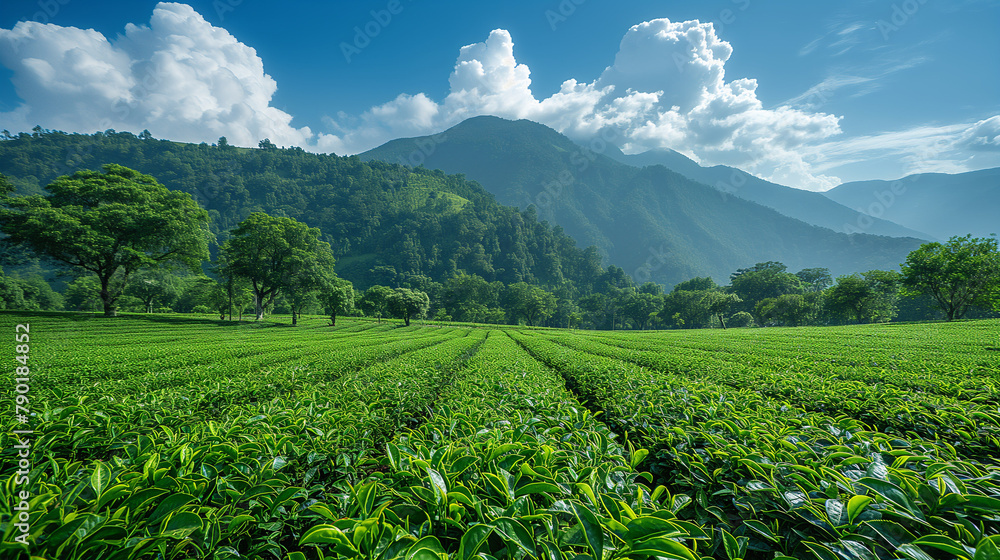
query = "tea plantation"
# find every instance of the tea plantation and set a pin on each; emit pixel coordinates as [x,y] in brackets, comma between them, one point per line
[163,437]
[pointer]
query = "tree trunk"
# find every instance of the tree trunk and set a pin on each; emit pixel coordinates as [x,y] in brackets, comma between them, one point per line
[109,304]
[406,319]
[722,319]
[295,318]
[333,318]
[259,306]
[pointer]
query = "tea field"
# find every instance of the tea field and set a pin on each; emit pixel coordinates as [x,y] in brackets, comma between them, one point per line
[162,437]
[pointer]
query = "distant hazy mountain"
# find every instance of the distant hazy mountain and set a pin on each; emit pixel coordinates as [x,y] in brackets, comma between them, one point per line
[943,205]
[810,207]
[655,223]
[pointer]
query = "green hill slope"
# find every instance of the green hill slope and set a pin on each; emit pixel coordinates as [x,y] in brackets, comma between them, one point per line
[412,222]
[655,223]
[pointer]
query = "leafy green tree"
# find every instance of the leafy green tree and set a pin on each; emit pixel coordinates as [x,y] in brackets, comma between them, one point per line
[641,308]
[310,271]
[850,297]
[685,308]
[338,298]
[275,254]
[408,304]
[787,309]
[111,223]
[375,302]
[815,279]
[154,286]
[196,292]
[720,304]
[531,303]
[83,294]
[959,274]
[764,281]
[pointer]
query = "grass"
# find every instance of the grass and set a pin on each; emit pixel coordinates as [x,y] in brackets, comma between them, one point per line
[188,437]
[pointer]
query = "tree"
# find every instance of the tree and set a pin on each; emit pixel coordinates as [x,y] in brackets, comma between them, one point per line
[531,303]
[338,298]
[154,286]
[309,271]
[274,254]
[375,302]
[764,281]
[720,304]
[958,274]
[849,297]
[787,309]
[109,223]
[815,279]
[408,304]
[641,307]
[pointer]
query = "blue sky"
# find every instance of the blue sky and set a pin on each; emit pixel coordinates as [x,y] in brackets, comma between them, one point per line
[804,93]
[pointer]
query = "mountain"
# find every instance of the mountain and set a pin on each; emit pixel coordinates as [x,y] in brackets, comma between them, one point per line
[386,223]
[943,205]
[656,223]
[810,207]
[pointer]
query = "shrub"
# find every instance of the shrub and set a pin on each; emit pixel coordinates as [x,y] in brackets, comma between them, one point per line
[741,319]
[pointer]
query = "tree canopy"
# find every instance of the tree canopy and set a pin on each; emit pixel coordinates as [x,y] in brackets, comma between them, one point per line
[275,254]
[111,223]
[963,272]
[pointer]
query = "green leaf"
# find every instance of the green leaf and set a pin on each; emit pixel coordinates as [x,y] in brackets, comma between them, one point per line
[593,532]
[100,478]
[169,505]
[473,539]
[732,546]
[855,506]
[536,488]
[328,534]
[427,548]
[664,548]
[944,543]
[439,484]
[638,457]
[514,532]
[761,530]
[181,525]
[988,549]
[835,512]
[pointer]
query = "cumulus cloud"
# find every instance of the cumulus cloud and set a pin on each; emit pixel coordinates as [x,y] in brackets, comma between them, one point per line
[180,77]
[186,80]
[666,89]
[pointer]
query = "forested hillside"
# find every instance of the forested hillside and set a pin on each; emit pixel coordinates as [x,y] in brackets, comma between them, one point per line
[655,223]
[383,221]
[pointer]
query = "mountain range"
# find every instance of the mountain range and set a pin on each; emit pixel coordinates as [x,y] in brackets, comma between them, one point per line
[653,221]
[941,204]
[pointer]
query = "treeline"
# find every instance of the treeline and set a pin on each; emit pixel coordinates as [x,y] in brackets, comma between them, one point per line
[373,215]
[405,243]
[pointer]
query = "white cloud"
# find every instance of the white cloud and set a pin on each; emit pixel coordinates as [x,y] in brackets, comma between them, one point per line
[666,89]
[186,80]
[924,149]
[180,77]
